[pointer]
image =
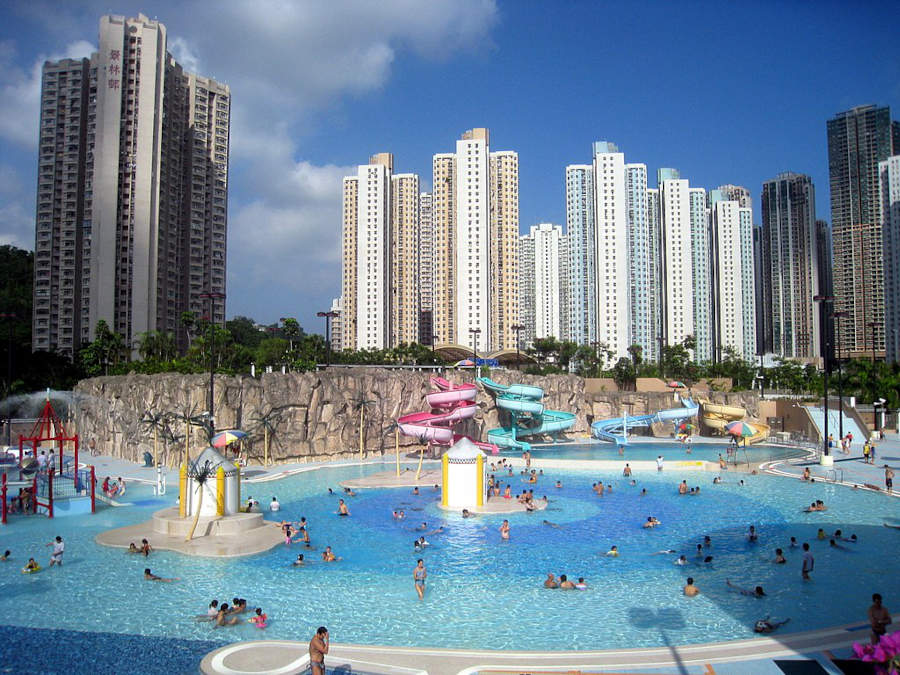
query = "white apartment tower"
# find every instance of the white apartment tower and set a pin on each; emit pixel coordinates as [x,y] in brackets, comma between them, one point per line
[655,275]
[373,263]
[677,259]
[546,244]
[403,293]
[475,222]
[581,306]
[889,193]
[701,280]
[132,192]
[426,267]
[640,257]
[611,248]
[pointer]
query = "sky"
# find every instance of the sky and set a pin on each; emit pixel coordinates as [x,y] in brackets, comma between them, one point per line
[724,92]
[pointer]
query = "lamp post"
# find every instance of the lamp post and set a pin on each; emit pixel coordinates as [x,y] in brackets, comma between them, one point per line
[212,296]
[827,301]
[328,317]
[475,332]
[518,328]
[10,319]
[873,325]
[838,357]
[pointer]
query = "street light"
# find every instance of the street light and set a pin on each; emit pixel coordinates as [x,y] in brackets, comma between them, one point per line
[328,317]
[828,301]
[838,316]
[212,296]
[10,319]
[518,328]
[873,325]
[475,332]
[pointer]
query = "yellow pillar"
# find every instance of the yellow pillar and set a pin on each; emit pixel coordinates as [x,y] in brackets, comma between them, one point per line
[182,490]
[444,492]
[220,491]
[238,483]
[479,467]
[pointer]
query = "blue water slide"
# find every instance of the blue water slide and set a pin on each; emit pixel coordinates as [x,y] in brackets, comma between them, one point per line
[615,429]
[526,412]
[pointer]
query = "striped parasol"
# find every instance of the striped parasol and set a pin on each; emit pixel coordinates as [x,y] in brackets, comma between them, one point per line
[225,438]
[740,428]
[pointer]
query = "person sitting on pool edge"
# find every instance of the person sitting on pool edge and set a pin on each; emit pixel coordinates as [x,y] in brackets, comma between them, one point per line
[690,589]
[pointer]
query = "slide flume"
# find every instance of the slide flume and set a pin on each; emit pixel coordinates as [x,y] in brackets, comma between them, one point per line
[615,429]
[527,416]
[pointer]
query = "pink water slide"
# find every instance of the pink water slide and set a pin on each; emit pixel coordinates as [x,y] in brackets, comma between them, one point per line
[450,405]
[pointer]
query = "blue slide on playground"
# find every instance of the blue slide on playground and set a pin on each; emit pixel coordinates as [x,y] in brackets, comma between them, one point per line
[616,429]
[522,404]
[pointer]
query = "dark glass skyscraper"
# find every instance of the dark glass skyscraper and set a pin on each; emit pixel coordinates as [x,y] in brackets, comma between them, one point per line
[857,140]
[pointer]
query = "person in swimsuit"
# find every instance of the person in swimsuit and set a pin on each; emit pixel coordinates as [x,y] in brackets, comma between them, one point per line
[318,648]
[689,589]
[299,561]
[550,581]
[767,626]
[756,592]
[879,618]
[149,576]
[259,619]
[31,566]
[342,508]
[565,584]
[419,574]
[145,547]
[613,552]
[132,548]
[222,616]
[328,555]
[58,549]
[779,557]
[5,556]
[504,530]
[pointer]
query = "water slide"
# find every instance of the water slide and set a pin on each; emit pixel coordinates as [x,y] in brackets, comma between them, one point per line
[527,415]
[719,416]
[616,429]
[449,405]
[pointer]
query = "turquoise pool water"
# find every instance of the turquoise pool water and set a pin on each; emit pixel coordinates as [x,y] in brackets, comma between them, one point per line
[648,450]
[481,592]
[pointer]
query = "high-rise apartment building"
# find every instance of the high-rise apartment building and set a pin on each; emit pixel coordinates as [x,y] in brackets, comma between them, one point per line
[582,315]
[655,267]
[701,276]
[426,266]
[858,140]
[526,292]
[736,193]
[790,273]
[734,297]
[640,256]
[889,191]
[611,249]
[677,256]
[475,214]
[540,266]
[381,257]
[132,193]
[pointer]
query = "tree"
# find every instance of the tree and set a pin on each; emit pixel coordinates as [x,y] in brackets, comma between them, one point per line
[623,373]
[244,332]
[199,475]
[189,323]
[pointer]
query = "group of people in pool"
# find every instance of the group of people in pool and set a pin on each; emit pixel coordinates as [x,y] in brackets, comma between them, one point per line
[114,488]
[56,557]
[564,583]
[225,615]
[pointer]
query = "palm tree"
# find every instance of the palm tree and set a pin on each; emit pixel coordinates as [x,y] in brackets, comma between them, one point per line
[155,421]
[199,475]
[393,426]
[424,443]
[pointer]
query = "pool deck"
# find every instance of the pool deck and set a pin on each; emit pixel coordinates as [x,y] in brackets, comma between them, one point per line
[751,656]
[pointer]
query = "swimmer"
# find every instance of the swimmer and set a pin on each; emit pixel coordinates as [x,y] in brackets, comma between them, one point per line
[238,606]
[707,542]
[666,551]
[651,522]
[6,554]
[558,484]
[682,560]
[717,480]
[805,475]
[222,617]
[550,581]
[708,559]
[259,619]
[211,612]
[416,490]
[423,526]
[419,575]
[752,537]
[581,585]
[643,492]
[274,505]
[349,492]
[342,508]
[793,543]
[699,550]
[632,483]
[565,584]
[145,547]
[683,488]
[466,514]
[690,589]
[328,555]
[149,576]
[549,524]
[613,552]
[627,470]
[834,544]
[31,566]
[299,561]
[820,534]
[133,549]
[779,557]
[767,626]
[504,530]
[757,592]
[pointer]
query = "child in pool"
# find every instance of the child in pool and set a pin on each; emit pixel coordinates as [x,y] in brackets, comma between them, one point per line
[259,619]
[31,566]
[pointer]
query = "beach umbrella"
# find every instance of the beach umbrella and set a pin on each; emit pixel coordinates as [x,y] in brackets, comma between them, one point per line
[467,363]
[740,428]
[224,438]
[675,384]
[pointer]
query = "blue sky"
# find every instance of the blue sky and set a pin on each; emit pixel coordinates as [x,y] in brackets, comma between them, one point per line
[725,92]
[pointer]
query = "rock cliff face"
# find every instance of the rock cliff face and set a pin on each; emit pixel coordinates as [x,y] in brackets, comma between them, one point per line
[311,416]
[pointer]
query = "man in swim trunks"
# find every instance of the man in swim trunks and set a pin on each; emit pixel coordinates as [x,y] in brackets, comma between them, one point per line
[299,561]
[808,562]
[888,478]
[149,576]
[565,584]
[767,626]
[58,549]
[419,574]
[550,581]
[756,592]
[342,508]
[318,648]
[879,618]
[627,470]
[504,530]
[689,589]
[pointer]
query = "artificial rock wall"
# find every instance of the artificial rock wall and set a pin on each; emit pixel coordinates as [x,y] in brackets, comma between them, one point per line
[316,415]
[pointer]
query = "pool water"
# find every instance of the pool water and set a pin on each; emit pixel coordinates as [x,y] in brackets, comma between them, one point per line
[648,450]
[481,592]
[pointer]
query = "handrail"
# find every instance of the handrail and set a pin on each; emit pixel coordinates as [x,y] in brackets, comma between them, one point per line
[835,472]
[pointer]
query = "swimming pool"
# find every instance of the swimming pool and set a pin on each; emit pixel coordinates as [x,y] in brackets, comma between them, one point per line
[646,449]
[481,592]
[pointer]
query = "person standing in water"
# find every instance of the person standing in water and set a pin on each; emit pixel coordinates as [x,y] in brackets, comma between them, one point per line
[419,575]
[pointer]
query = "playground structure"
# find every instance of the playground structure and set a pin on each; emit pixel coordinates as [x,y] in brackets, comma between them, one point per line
[717,417]
[616,428]
[449,405]
[60,478]
[521,405]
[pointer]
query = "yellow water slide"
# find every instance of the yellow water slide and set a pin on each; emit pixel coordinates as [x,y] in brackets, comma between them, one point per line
[718,416]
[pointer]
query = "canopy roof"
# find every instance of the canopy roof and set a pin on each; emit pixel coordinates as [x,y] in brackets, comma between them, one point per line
[464,449]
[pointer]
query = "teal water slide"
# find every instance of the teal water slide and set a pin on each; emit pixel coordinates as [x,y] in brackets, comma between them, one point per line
[522,406]
[616,429]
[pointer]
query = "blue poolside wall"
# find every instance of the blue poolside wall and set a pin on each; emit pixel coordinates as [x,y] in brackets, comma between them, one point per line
[40,650]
